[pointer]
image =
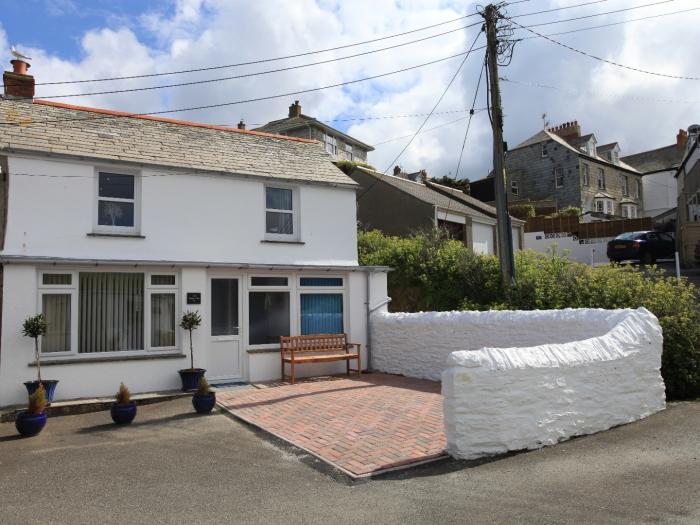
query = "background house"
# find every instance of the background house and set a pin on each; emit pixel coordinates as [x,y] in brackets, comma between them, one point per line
[113,225]
[339,145]
[405,203]
[561,165]
[688,178]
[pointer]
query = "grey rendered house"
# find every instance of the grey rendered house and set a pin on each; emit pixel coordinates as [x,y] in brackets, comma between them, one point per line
[561,164]
[340,145]
[403,204]
[688,178]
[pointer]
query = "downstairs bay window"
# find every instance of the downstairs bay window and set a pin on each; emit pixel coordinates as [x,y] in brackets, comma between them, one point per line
[95,312]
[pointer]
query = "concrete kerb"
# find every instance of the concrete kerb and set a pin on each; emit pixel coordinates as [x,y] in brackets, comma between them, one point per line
[321,464]
[86,405]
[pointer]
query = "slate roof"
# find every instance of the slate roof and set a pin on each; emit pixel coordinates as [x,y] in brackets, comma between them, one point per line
[54,128]
[302,121]
[548,135]
[431,196]
[660,159]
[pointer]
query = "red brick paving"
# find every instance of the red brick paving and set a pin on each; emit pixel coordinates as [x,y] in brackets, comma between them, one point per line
[363,425]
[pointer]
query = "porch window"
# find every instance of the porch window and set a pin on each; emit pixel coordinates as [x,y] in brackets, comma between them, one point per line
[116,202]
[279,213]
[268,317]
[224,307]
[56,308]
[321,281]
[321,313]
[110,311]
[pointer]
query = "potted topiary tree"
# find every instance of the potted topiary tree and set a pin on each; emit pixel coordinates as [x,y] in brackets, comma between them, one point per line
[30,422]
[123,410]
[191,320]
[204,399]
[35,327]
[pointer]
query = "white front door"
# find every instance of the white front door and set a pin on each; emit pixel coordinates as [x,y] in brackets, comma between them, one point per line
[224,358]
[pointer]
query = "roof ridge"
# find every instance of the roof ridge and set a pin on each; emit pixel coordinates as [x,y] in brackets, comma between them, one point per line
[171,121]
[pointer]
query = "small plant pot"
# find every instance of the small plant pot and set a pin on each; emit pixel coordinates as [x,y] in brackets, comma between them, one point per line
[123,414]
[29,424]
[203,403]
[190,378]
[49,387]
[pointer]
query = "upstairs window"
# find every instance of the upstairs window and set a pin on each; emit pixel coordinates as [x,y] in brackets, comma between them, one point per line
[585,175]
[558,177]
[280,213]
[514,187]
[601,178]
[638,189]
[117,206]
[331,144]
[349,155]
[543,150]
[625,186]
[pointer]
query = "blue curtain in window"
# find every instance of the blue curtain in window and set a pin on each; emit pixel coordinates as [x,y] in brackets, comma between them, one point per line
[321,313]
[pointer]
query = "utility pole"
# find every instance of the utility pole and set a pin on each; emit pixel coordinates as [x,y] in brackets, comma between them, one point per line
[503,225]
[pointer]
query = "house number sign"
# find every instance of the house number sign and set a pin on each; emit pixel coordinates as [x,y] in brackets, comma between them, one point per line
[194,298]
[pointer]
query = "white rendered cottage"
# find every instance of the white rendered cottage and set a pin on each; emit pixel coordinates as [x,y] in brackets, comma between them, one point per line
[114,225]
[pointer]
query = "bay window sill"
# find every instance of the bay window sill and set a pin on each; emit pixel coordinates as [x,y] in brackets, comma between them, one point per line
[86,358]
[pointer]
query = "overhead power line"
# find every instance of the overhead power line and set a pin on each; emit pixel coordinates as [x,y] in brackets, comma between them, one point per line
[242,101]
[557,8]
[439,126]
[259,73]
[600,59]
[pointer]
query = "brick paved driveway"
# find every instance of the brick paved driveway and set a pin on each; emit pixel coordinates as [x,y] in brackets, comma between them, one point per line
[362,425]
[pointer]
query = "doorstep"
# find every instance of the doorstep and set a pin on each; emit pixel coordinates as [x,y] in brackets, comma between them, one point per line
[95,404]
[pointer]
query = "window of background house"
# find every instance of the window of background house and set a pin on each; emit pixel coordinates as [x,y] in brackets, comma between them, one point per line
[585,170]
[625,186]
[599,205]
[331,144]
[116,202]
[279,212]
[348,152]
[601,178]
[514,187]
[558,177]
[638,189]
[543,149]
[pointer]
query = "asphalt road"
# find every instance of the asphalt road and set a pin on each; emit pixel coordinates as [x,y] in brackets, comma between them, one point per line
[172,466]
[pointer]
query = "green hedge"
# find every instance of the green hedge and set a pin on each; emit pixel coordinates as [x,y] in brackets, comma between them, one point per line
[432,273]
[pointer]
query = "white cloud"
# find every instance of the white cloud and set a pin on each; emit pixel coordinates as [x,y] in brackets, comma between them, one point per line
[607,100]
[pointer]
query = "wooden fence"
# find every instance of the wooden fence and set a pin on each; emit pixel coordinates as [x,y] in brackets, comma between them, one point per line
[586,230]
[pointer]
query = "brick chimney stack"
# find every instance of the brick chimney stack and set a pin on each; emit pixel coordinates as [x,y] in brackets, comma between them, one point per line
[295,109]
[681,139]
[241,125]
[18,83]
[568,130]
[397,171]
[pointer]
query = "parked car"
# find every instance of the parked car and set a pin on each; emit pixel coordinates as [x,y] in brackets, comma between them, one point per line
[645,246]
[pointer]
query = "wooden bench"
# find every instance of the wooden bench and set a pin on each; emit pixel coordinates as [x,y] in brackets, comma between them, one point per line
[318,348]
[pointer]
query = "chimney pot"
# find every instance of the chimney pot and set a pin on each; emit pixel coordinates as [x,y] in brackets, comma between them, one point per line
[18,83]
[681,139]
[241,124]
[295,109]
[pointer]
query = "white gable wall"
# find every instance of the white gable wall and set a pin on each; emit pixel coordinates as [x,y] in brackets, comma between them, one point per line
[184,217]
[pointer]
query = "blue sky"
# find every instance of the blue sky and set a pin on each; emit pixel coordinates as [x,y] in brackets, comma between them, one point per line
[73,40]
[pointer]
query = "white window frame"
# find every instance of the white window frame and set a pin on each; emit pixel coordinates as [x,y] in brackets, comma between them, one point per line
[349,152]
[514,187]
[586,170]
[291,289]
[638,189]
[558,174]
[600,205]
[625,186]
[296,234]
[73,290]
[117,230]
[601,179]
[330,143]
[323,290]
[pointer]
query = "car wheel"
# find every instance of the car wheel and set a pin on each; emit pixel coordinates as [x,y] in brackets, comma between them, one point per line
[647,258]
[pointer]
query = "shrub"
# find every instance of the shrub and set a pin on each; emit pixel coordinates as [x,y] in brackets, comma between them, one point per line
[123,396]
[190,321]
[348,166]
[37,401]
[522,211]
[434,273]
[35,327]
[203,386]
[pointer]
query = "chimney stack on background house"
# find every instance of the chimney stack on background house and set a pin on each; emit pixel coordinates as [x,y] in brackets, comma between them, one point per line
[241,125]
[681,139]
[397,171]
[18,83]
[295,110]
[568,130]
[423,176]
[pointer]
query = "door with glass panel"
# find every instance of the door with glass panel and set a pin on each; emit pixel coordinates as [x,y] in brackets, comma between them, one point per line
[224,355]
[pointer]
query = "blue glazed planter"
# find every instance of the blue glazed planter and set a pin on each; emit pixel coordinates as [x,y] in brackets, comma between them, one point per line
[190,378]
[29,424]
[203,403]
[49,387]
[123,414]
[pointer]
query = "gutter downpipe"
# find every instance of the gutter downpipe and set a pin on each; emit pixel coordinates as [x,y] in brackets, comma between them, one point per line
[370,310]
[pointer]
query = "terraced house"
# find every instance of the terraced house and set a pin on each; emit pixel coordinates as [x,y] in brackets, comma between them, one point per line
[112,225]
[562,165]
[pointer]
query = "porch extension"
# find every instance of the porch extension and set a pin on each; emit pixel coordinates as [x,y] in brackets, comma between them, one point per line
[361,425]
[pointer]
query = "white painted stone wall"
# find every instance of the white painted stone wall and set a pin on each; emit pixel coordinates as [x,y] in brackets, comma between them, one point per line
[502,399]
[587,251]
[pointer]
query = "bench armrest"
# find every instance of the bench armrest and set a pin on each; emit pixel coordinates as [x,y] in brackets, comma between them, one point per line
[350,345]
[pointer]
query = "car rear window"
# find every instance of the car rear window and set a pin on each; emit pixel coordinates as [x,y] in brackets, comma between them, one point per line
[630,236]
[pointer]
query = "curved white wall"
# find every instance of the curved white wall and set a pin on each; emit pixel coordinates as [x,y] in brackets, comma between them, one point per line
[502,399]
